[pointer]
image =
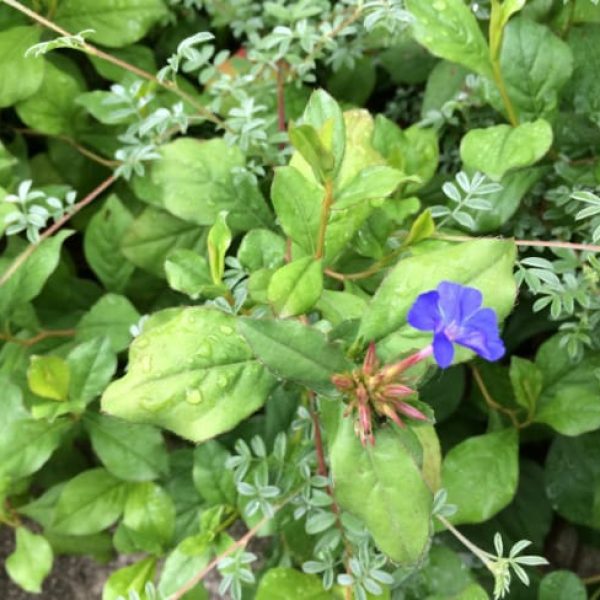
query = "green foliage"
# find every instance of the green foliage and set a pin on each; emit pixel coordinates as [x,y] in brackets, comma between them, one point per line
[217,223]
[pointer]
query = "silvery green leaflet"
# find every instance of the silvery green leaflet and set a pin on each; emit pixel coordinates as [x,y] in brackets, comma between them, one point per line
[327,270]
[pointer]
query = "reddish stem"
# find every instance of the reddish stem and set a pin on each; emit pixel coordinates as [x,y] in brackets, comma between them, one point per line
[281,100]
[55,227]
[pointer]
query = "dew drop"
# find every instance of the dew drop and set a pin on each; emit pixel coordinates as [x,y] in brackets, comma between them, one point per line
[193,396]
[205,351]
[155,404]
[146,363]
[226,329]
[222,381]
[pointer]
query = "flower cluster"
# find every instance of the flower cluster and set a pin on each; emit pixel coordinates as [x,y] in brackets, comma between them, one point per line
[454,314]
[382,391]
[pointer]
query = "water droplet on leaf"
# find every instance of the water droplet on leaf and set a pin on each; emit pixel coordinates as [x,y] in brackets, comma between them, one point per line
[193,396]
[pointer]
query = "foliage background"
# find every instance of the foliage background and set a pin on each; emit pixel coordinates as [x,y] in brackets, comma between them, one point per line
[209,208]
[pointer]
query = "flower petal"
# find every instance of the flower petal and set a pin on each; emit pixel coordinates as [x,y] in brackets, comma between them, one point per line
[480,334]
[443,350]
[458,302]
[425,313]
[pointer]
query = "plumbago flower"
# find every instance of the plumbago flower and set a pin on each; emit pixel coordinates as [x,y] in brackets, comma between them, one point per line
[454,314]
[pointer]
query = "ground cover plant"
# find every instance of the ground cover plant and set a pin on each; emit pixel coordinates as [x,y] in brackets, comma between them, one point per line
[326,269]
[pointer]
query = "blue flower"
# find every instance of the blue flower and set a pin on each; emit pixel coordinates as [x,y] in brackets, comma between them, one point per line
[453,312]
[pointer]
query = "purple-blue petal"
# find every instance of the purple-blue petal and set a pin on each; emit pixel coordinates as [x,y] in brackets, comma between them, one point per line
[480,333]
[443,350]
[458,302]
[424,313]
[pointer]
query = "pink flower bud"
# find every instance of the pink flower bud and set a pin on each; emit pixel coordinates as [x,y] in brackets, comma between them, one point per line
[410,411]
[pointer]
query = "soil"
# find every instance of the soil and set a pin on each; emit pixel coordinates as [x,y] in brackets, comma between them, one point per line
[72,577]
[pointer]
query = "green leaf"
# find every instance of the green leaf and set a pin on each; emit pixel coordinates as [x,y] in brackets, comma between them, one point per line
[261,248]
[383,486]
[49,377]
[129,451]
[189,273]
[305,139]
[21,75]
[584,87]
[194,181]
[526,380]
[506,201]
[295,288]
[92,365]
[562,585]
[114,23]
[26,444]
[372,183]
[422,228]
[294,351]
[190,373]
[448,29]
[445,576]
[129,579]
[535,65]
[89,503]
[414,151]
[112,316]
[52,109]
[183,563]
[297,201]
[29,279]
[490,460]
[219,240]
[484,264]
[212,479]
[324,114]
[31,561]
[340,306]
[150,517]
[573,478]
[282,583]
[343,82]
[569,399]
[101,242]
[154,235]
[445,81]
[360,152]
[498,149]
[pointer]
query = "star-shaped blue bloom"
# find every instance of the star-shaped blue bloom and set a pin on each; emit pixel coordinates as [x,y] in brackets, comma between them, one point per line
[454,313]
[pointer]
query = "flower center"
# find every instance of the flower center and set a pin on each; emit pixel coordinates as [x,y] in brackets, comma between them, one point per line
[452,330]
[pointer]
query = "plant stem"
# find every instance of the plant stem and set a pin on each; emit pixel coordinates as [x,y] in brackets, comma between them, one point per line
[325,211]
[496,34]
[570,19]
[205,112]
[524,243]
[111,164]
[241,543]
[281,125]
[508,106]
[478,552]
[42,335]
[491,402]
[55,227]
[591,580]
[323,471]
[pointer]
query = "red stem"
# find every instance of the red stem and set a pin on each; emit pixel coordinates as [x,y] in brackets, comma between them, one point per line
[55,227]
